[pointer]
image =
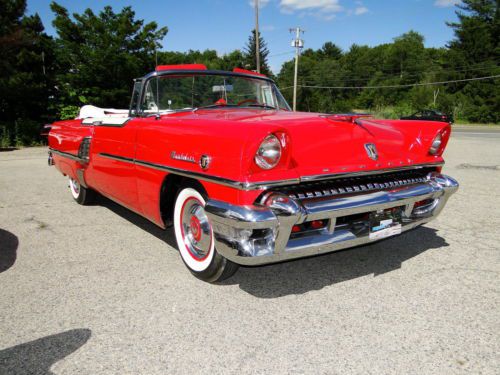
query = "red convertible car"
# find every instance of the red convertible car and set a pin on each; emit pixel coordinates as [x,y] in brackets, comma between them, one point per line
[244,180]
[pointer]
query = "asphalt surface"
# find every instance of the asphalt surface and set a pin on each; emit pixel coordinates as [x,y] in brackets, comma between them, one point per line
[99,290]
[460,131]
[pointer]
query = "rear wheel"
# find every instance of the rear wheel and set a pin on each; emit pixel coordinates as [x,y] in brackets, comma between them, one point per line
[195,238]
[81,194]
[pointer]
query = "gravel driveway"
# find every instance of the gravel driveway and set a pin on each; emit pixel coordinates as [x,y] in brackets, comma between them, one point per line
[100,290]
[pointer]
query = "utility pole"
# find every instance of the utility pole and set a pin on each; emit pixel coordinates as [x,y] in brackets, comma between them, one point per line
[257,37]
[298,44]
[43,62]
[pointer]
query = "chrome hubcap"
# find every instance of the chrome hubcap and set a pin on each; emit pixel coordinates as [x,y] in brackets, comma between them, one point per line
[75,186]
[196,230]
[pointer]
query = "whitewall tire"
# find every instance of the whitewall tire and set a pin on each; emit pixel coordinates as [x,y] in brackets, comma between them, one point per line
[195,238]
[81,194]
[193,231]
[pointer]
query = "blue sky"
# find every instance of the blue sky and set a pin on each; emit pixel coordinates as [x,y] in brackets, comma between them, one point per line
[224,25]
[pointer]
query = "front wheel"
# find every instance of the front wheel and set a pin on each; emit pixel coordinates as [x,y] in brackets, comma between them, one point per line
[195,238]
[81,194]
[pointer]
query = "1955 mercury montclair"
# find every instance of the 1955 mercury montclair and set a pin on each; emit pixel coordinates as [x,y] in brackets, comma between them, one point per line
[244,180]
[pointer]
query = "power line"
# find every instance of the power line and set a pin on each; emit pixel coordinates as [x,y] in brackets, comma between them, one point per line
[395,86]
[466,67]
[339,78]
[282,53]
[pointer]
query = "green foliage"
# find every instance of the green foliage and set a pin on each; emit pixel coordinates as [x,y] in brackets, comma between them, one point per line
[99,55]
[5,140]
[94,58]
[250,52]
[208,57]
[27,132]
[68,112]
[25,70]
[407,62]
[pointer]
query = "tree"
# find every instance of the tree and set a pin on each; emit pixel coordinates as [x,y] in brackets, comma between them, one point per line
[331,51]
[25,76]
[249,54]
[476,48]
[407,55]
[99,55]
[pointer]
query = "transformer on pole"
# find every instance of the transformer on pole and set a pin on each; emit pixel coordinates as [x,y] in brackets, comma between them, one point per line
[298,44]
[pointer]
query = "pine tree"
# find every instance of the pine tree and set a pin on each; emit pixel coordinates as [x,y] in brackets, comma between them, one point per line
[249,54]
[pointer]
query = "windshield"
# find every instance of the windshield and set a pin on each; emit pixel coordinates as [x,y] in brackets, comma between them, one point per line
[193,91]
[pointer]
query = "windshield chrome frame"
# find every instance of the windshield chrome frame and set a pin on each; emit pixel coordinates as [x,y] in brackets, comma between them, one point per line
[156,74]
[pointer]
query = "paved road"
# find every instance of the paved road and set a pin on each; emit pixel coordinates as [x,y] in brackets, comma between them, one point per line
[488,132]
[99,290]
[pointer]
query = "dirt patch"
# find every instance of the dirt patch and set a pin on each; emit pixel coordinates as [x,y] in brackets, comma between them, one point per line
[486,167]
[39,224]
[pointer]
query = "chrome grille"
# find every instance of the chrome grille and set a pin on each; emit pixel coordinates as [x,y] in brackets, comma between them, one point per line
[354,185]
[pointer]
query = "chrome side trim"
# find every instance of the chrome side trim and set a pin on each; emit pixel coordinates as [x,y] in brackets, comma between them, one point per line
[116,157]
[68,155]
[260,185]
[180,172]
[81,177]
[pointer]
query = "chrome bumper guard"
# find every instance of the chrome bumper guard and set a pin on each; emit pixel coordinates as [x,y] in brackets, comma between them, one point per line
[262,233]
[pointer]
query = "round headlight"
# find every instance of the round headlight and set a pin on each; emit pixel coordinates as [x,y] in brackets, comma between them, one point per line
[436,144]
[269,153]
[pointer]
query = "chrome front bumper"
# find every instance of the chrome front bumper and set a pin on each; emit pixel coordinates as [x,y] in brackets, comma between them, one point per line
[262,234]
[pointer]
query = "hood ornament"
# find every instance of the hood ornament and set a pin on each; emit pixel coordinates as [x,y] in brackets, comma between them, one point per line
[371,150]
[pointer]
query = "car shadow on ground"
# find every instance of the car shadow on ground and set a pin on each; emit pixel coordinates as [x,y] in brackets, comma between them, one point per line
[314,273]
[139,221]
[8,250]
[38,356]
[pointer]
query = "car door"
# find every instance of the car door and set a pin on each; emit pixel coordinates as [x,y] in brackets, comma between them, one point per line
[112,169]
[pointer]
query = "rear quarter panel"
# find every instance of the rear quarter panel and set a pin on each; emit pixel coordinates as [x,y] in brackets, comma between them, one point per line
[66,136]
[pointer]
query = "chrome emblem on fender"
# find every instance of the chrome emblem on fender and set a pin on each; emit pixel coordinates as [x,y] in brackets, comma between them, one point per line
[205,161]
[183,157]
[371,150]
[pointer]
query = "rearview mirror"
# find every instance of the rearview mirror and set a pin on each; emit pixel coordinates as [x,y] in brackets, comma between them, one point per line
[222,88]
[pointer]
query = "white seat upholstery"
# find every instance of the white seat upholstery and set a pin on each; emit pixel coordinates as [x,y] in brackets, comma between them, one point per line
[92,111]
[102,116]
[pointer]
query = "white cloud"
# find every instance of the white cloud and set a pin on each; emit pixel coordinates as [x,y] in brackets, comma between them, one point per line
[446,3]
[360,10]
[325,7]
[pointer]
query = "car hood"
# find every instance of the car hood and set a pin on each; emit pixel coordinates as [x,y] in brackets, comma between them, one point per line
[320,144]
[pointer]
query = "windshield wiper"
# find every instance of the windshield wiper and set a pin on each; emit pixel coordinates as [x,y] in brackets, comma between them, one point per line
[214,106]
[261,106]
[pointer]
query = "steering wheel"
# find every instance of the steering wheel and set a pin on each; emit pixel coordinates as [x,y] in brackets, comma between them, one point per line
[248,101]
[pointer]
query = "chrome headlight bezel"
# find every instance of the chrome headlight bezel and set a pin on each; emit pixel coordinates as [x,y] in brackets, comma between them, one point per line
[269,153]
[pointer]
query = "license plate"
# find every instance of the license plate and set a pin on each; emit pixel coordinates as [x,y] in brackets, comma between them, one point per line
[384,224]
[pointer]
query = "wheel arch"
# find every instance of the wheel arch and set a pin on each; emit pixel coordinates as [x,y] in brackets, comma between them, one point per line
[170,187]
